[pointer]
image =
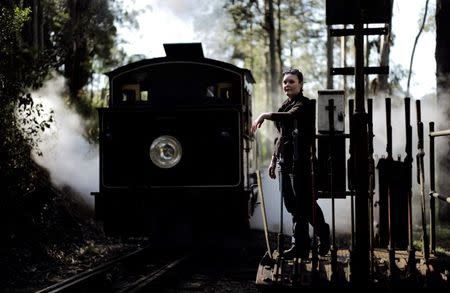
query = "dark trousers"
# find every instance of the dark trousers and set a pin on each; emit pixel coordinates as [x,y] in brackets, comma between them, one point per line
[295,187]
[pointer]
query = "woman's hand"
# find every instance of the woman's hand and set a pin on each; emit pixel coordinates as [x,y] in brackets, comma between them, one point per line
[272,169]
[259,121]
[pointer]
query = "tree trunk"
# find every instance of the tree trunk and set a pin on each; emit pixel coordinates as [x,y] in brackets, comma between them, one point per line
[267,79]
[385,50]
[344,60]
[443,92]
[35,24]
[279,45]
[385,45]
[279,49]
[77,49]
[270,27]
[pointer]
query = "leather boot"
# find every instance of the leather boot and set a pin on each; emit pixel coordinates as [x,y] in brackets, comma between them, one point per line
[324,236]
[295,252]
[291,252]
[300,250]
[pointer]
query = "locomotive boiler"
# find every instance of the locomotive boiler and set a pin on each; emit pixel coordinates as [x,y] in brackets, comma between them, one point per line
[176,155]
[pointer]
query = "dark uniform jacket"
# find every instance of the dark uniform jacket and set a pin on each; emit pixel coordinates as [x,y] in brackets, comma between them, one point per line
[295,124]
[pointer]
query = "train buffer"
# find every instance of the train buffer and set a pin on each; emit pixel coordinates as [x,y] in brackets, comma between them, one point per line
[278,274]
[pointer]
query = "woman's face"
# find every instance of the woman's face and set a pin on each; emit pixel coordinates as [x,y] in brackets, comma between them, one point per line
[291,85]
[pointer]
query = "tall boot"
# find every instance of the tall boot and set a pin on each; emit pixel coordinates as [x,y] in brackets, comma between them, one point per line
[324,237]
[301,241]
[291,252]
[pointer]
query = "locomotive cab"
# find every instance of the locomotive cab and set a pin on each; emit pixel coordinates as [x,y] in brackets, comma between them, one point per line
[175,148]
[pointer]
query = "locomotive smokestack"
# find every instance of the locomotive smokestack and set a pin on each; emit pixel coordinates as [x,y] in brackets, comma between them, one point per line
[184,50]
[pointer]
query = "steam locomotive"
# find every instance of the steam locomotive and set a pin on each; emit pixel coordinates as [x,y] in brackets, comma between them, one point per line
[176,154]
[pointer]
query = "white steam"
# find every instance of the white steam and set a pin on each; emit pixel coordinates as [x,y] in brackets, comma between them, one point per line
[183,9]
[67,155]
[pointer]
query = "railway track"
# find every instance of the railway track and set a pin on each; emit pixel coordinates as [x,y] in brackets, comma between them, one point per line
[204,269]
[132,272]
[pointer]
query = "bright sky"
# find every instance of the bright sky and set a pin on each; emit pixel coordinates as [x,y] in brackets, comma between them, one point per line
[407,17]
[169,21]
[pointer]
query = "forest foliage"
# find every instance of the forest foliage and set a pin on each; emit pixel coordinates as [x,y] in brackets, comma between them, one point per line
[271,35]
[38,39]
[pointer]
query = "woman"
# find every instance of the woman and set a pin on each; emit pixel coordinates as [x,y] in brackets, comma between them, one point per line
[292,153]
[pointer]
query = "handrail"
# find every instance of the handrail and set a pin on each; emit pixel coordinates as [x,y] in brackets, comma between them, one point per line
[440,196]
[440,133]
[433,194]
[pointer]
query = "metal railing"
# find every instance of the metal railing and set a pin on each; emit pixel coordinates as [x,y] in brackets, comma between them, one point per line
[433,194]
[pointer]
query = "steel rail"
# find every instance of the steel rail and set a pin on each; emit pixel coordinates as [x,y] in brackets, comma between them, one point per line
[145,281]
[90,274]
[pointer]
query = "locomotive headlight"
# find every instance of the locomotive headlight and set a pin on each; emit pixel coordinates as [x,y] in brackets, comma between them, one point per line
[165,151]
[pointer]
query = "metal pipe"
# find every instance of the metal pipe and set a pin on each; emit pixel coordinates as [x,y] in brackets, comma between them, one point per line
[391,249]
[421,177]
[351,175]
[263,212]
[371,183]
[351,187]
[440,196]
[388,128]
[408,147]
[360,275]
[440,133]
[391,245]
[313,161]
[408,165]
[333,248]
[418,111]
[432,187]
[280,236]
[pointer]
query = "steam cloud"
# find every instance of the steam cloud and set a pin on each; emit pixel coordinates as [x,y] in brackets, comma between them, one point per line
[183,9]
[67,155]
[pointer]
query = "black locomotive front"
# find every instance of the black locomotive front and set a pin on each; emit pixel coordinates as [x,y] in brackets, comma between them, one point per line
[175,149]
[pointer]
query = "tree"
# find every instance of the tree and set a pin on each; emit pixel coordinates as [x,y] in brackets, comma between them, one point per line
[270,36]
[269,26]
[37,36]
[89,33]
[16,73]
[385,48]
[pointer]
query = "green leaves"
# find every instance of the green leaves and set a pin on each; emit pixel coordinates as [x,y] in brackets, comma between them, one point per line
[12,21]
[33,120]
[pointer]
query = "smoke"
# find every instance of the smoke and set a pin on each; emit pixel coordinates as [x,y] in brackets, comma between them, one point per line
[66,154]
[184,9]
